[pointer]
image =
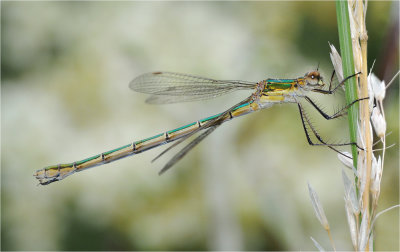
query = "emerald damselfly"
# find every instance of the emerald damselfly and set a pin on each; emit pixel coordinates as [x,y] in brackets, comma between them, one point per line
[168,87]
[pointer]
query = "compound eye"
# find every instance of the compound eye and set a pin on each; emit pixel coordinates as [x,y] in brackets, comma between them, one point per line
[314,75]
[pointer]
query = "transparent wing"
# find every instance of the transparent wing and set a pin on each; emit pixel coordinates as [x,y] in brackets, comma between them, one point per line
[167,87]
[209,127]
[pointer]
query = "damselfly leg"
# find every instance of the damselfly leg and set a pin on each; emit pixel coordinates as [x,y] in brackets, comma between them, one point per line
[342,112]
[332,91]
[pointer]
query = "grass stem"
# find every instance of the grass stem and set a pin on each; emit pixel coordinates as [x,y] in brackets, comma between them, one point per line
[346,52]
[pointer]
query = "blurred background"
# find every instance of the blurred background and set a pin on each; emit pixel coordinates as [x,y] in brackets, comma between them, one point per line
[64,93]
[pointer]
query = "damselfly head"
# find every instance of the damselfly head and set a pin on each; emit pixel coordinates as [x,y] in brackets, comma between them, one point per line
[314,79]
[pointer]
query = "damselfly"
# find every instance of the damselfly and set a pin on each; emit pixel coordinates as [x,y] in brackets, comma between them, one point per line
[167,87]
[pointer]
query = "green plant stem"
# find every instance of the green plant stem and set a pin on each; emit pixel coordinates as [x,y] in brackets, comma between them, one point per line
[346,51]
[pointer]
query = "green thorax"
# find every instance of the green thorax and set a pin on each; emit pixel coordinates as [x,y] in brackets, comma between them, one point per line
[279,84]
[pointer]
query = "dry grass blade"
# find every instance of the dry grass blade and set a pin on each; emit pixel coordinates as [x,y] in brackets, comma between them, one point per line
[318,209]
[346,160]
[319,212]
[364,233]
[351,220]
[317,245]
[350,194]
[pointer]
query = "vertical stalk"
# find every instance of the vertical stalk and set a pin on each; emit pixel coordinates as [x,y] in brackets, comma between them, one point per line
[365,113]
[355,38]
[346,52]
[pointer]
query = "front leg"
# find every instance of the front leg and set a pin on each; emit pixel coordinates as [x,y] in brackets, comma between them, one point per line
[331,91]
